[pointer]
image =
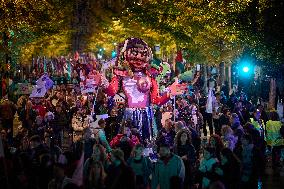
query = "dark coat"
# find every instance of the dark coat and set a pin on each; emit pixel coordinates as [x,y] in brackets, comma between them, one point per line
[258,163]
[231,175]
[120,177]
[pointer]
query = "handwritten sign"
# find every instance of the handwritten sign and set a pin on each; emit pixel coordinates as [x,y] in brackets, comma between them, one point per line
[89,82]
[24,88]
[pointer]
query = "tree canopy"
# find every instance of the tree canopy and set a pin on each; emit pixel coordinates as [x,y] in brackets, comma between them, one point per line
[210,31]
[26,23]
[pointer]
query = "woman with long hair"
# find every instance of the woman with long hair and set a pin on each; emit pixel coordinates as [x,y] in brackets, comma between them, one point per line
[96,176]
[27,115]
[99,154]
[215,141]
[183,147]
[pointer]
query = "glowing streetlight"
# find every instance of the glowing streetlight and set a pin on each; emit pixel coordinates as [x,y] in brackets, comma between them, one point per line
[246,69]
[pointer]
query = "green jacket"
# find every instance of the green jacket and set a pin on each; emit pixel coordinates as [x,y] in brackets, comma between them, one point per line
[142,168]
[163,172]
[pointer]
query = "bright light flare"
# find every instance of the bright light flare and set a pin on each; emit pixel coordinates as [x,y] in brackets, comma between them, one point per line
[245,69]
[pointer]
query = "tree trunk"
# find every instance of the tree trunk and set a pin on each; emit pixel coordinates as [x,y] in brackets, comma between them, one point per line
[222,73]
[230,78]
[272,94]
[80,25]
[205,72]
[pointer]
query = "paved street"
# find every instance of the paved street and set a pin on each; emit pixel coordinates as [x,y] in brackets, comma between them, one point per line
[270,181]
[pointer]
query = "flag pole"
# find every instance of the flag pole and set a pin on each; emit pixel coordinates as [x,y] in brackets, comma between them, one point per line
[174,108]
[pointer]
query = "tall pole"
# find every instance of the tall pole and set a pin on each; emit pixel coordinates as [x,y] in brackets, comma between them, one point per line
[174,108]
[230,78]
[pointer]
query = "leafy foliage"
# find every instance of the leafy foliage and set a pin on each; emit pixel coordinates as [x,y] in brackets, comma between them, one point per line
[25,23]
[210,31]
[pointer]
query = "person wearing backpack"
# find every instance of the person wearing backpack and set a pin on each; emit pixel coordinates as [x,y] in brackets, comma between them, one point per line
[100,135]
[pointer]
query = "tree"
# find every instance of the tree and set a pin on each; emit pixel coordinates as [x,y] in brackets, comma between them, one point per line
[212,29]
[25,21]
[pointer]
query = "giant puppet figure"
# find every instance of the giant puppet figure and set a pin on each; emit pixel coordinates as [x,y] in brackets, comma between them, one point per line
[139,86]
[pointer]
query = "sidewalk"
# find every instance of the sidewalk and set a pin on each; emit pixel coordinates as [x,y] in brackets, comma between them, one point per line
[271,181]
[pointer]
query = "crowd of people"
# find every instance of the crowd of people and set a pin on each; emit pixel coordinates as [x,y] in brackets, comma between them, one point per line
[203,140]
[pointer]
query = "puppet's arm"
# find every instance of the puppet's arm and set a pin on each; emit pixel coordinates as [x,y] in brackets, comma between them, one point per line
[111,87]
[173,90]
[155,96]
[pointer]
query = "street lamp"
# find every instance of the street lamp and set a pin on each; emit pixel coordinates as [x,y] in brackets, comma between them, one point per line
[246,69]
[113,54]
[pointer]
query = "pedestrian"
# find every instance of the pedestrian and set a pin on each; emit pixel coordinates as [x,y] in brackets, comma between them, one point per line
[252,163]
[207,169]
[167,167]
[142,167]
[100,136]
[185,149]
[119,174]
[230,169]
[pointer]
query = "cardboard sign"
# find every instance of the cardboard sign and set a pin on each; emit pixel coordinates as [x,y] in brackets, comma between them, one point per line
[89,82]
[38,92]
[24,88]
[43,84]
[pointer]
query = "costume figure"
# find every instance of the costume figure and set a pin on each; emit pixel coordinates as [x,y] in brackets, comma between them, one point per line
[134,79]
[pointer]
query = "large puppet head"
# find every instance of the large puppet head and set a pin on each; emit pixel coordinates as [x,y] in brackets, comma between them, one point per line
[136,53]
